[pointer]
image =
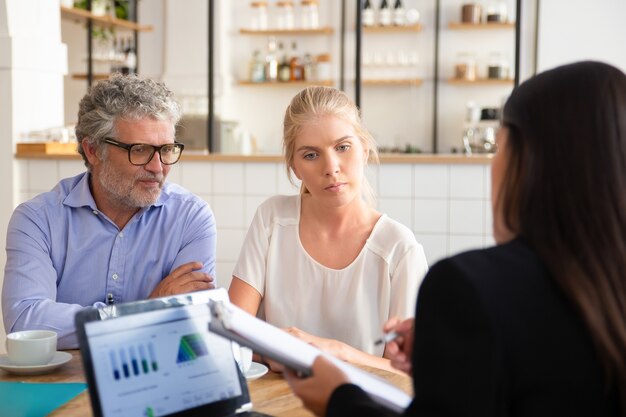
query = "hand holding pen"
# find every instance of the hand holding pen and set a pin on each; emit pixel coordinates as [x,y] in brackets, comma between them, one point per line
[387,337]
[398,339]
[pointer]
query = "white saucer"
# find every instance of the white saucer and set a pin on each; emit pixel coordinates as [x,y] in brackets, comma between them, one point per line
[257,370]
[59,358]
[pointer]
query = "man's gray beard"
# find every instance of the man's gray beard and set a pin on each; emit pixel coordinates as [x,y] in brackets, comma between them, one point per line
[121,190]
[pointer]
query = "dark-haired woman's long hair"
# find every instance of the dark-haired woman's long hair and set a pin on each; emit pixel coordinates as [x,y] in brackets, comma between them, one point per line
[565,193]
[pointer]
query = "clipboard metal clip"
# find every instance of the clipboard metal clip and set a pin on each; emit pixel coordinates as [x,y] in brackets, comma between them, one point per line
[221,313]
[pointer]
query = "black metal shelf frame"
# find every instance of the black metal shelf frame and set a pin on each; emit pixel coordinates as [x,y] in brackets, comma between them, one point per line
[436,77]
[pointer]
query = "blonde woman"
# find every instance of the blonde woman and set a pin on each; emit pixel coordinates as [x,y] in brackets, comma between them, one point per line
[325,264]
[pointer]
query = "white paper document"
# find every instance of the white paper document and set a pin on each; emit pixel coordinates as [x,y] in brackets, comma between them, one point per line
[233,323]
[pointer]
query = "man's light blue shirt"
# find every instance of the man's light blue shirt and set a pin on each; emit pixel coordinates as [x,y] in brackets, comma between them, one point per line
[63,254]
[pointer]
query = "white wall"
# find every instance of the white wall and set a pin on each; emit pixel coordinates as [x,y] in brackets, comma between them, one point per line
[574,30]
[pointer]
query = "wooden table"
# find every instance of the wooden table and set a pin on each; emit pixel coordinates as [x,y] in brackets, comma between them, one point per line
[270,394]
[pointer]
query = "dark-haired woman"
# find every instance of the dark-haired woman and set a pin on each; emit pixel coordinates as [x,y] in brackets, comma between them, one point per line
[535,326]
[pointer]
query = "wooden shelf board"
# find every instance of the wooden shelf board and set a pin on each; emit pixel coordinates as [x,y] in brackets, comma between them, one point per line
[405,81]
[106,21]
[46,148]
[95,76]
[480,81]
[286,83]
[393,29]
[279,32]
[484,25]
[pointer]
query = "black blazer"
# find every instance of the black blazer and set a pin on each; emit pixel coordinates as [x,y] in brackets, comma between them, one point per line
[495,336]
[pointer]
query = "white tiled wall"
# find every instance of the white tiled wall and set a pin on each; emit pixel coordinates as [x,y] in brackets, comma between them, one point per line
[447,206]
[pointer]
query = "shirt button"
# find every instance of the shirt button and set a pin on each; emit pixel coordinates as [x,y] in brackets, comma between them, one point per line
[95,212]
[121,234]
[115,277]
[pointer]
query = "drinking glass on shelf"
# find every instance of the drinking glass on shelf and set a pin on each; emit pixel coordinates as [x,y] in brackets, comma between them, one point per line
[284,15]
[258,15]
[310,14]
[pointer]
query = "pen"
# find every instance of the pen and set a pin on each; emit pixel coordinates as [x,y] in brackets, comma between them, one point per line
[387,337]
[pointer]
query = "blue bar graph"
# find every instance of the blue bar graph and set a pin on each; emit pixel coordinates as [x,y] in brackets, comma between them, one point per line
[133,361]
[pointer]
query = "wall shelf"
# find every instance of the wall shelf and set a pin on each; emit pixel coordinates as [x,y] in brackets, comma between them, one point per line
[81,15]
[393,29]
[327,83]
[480,81]
[95,76]
[391,82]
[287,32]
[484,25]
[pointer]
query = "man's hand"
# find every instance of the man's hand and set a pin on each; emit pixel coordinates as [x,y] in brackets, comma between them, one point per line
[400,349]
[315,391]
[185,278]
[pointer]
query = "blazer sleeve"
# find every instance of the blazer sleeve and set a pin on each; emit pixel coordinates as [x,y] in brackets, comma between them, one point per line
[455,359]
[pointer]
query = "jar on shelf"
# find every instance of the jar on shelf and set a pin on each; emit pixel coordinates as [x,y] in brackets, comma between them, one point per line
[322,67]
[258,15]
[498,66]
[285,19]
[310,14]
[465,67]
[496,12]
[471,13]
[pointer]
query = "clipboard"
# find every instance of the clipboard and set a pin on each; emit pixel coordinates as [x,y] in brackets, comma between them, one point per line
[231,322]
[222,323]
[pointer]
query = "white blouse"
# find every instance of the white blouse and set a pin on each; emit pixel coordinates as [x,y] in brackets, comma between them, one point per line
[349,304]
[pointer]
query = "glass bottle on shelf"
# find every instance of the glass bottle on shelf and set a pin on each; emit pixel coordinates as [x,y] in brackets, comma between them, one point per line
[258,15]
[399,14]
[384,14]
[308,68]
[296,70]
[257,68]
[271,61]
[130,57]
[368,14]
[284,15]
[465,67]
[310,16]
[284,69]
[497,67]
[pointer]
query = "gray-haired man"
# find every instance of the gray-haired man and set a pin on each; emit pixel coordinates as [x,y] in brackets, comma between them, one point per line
[117,232]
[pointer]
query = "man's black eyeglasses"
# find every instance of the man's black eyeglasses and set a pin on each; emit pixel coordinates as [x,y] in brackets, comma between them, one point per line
[142,153]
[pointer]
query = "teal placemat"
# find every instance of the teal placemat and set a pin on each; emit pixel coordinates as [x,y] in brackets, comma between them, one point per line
[25,399]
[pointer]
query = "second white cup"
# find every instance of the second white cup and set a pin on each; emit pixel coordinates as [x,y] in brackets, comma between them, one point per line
[31,347]
[243,356]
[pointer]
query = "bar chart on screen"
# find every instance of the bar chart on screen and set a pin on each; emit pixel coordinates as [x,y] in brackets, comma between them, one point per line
[133,361]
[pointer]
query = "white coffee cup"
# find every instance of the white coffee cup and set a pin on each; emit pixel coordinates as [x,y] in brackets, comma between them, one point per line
[243,356]
[31,347]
